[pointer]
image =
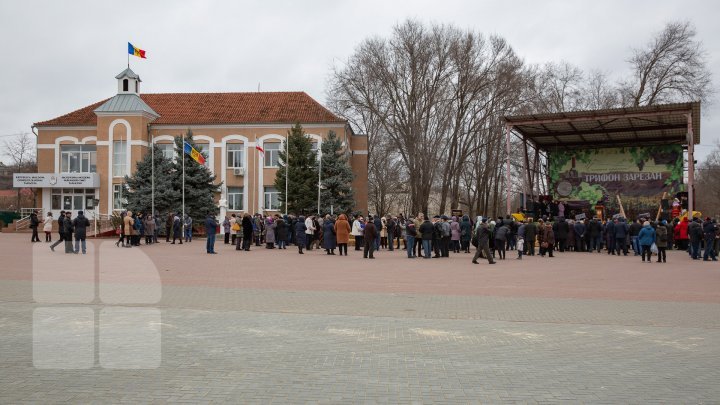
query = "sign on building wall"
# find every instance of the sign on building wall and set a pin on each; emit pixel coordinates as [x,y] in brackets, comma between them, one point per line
[56,180]
[639,175]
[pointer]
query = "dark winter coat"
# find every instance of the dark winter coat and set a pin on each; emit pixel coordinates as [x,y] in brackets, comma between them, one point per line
[281,230]
[211,225]
[80,224]
[247,228]
[177,228]
[594,228]
[547,235]
[621,230]
[483,235]
[61,225]
[530,232]
[34,221]
[661,236]
[426,230]
[563,228]
[329,239]
[300,228]
[579,229]
[68,228]
[501,233]
[465,229]
[371,232]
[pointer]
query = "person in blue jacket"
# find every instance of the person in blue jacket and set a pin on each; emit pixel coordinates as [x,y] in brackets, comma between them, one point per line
[211,227]
[646,238]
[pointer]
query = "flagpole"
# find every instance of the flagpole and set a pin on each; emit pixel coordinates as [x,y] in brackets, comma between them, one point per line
[152,185]
[182,220]
[287,165]
[255,196]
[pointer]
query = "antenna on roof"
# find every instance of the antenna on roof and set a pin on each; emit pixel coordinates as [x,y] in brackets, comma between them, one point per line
[258,87]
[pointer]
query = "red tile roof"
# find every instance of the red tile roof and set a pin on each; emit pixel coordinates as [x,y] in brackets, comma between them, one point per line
[218,108]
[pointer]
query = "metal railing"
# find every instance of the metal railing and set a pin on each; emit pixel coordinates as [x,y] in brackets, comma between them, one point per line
[24,221]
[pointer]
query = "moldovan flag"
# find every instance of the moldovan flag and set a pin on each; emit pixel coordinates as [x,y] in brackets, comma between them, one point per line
[136,51]
[197,156]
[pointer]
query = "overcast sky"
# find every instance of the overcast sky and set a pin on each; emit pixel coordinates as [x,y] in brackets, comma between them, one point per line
[59,56]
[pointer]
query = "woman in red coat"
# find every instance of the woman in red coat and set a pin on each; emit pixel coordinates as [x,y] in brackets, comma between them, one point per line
[681,234]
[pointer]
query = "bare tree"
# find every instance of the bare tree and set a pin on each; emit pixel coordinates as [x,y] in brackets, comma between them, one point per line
[599,94]
[21,151]
[708,201]
[671,68]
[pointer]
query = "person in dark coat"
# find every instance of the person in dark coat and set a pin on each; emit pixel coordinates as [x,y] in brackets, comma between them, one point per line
[300,236]
[281,233]
[595,235]
[609,233]
[621,234]
[371,238]
[465,234]
[80,224]
[34,223]
[177,229]
[579,229]
[211,227]
[562,232]
[390,224]
[247,230]
[547,240]
[329,238]
[68,226]
[483,243]
[169,226]
[426,232]
[61,230]
[530,237]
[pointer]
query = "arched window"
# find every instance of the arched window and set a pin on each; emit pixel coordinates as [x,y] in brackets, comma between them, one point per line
[125,84]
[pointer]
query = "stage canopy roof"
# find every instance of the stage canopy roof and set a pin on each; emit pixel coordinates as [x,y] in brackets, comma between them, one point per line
[632,126]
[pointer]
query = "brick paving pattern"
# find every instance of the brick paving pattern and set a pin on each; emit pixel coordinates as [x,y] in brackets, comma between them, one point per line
[273,327]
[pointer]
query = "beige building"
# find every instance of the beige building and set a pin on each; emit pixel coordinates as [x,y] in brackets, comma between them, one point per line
[84,155]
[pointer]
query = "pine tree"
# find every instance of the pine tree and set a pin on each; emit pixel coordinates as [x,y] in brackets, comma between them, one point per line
[336,177]
[199,183]
[139,186]
[302,173]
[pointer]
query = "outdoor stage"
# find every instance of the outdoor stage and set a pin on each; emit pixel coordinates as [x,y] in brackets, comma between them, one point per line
[271,325]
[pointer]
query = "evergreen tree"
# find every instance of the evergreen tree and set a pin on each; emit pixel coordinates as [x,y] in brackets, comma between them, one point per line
[139,185]
[199,183]
[301,172]
[336,177]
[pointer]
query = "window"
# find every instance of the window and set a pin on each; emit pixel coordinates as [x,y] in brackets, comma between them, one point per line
[119,156]
[72,199]
[125,84]
[118,200]
[272,199]
[204,148]
[272,154]
[167,149]
[78,159]
[57,199]
[235,198]
[235,153]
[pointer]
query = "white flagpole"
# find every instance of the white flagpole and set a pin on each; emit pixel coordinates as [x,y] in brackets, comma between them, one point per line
[182,220]
[287,165]
[152,185]
[254,182]
[319,175]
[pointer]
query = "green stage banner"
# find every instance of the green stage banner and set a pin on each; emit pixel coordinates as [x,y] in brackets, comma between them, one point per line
[639,175]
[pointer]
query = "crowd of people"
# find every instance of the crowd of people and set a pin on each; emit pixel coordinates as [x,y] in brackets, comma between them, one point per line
[420,235]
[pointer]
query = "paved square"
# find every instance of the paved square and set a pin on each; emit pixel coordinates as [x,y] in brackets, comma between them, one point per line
[172,324]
